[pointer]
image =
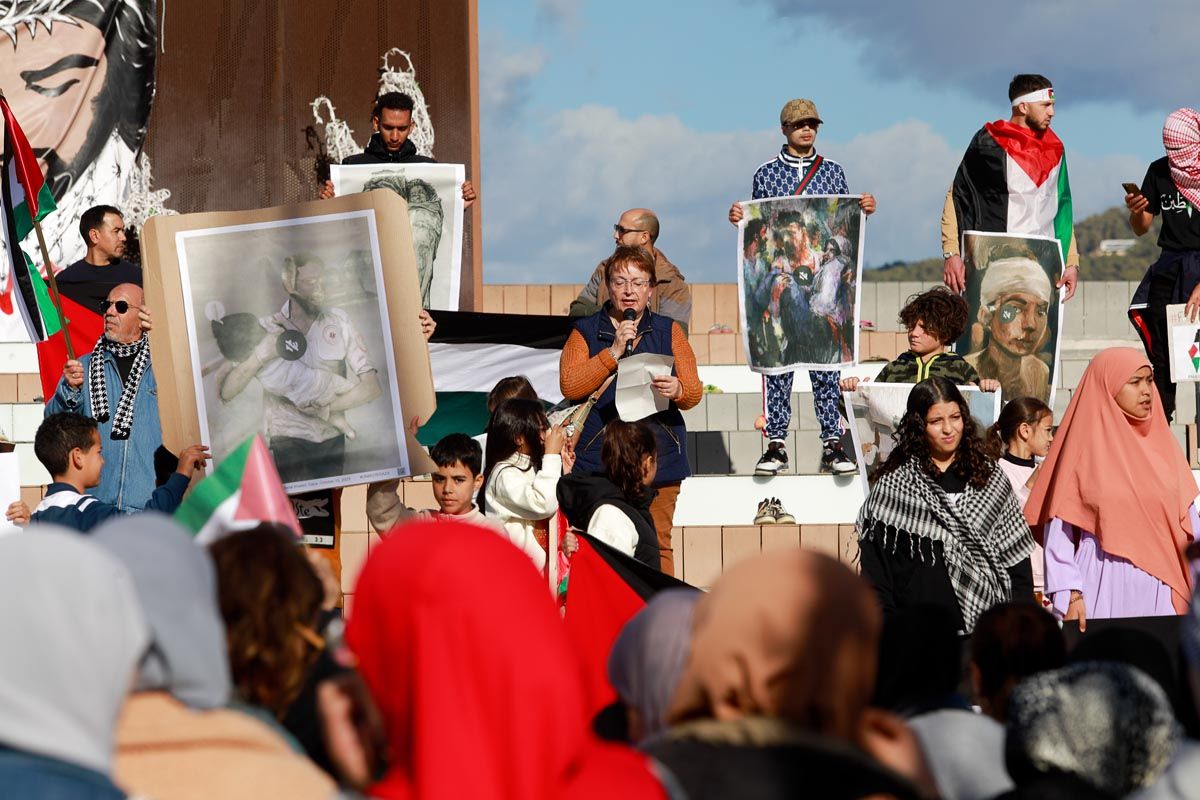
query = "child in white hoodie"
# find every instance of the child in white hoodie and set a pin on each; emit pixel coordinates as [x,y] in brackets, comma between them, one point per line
[521,470]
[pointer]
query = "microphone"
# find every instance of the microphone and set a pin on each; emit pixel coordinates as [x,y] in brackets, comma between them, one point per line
[629,316]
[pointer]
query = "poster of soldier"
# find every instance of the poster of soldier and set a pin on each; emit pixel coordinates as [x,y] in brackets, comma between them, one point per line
[288,329]
[435,209]
[799,268]
[1015,312]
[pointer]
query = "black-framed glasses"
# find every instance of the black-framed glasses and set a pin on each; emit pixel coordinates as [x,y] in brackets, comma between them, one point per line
[121,305]
[622,231]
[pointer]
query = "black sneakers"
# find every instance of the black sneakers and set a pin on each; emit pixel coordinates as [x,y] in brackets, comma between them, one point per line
[835,460]
[773,461]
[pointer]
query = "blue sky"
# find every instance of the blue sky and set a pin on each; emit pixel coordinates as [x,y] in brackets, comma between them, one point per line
[589,108]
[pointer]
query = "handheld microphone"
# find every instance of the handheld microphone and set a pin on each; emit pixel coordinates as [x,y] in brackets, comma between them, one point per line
[629,316]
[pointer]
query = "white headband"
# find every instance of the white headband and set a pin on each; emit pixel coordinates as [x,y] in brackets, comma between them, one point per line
[1040,96]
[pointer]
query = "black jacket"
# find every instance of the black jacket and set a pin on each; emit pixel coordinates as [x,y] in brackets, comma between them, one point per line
[376,153]
[580,494]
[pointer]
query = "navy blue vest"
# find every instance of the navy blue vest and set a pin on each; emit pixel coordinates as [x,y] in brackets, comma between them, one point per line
[655,332]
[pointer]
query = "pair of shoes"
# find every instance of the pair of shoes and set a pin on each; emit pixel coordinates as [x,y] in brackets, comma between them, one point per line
[773,461]
[835,460]
[772,512]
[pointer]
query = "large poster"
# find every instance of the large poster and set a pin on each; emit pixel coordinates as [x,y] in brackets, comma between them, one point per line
[799,271]
[1015,312]
[435,209]
[283,321]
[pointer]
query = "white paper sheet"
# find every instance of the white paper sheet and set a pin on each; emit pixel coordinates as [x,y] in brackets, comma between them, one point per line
[636,398]
[10,488]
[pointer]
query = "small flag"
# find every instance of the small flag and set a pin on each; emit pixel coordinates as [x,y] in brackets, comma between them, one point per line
[1194,352]
[242,492]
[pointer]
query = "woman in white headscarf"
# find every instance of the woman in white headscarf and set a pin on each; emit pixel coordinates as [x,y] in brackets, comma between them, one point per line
[176,739]
[72,637]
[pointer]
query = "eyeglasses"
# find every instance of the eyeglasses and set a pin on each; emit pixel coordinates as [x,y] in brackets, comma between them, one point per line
[804,123]
[622,231]
[637,283]
[313,639]
[121,305]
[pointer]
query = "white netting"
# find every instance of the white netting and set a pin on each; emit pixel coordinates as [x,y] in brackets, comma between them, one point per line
[405,80]
[339,139]
[141,202]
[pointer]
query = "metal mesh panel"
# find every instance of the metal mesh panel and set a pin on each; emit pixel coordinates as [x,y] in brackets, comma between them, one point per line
[234,87]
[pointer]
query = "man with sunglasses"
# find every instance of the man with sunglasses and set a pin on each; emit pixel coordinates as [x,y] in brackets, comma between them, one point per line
[89,280]
[115,385]
[638,227]
[798,170]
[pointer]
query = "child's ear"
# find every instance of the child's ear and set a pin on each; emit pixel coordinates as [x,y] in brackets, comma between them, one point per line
[76,458]
[1024,430]
[479,481]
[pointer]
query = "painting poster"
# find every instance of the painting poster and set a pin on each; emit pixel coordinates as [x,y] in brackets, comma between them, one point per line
[435,210]
[1014,312]
[799,270]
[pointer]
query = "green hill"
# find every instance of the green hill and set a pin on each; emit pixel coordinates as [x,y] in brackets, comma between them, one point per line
[1110,224]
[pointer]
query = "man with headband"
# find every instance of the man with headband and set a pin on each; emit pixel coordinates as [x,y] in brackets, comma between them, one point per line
[1171,188]
[1013,179]
[1014,305]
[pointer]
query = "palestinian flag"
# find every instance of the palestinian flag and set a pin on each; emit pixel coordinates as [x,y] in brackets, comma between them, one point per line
[85,327]
[1012,180]
[24,198]
[470,352]
[606,588]
[243,491]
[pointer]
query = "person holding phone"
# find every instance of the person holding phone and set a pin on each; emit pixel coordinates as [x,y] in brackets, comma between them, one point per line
[1171,189]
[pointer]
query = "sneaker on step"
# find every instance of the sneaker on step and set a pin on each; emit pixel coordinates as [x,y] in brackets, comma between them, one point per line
[834,459]
[766,512]
[773,461]
[782,517]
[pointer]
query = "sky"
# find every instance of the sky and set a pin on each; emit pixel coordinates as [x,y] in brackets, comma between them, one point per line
[589,108]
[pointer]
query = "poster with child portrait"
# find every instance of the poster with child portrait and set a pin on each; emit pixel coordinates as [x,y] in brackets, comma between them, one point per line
[1015,312]
[799,271]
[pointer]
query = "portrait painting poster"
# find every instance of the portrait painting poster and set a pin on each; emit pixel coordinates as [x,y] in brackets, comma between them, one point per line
[435,210]
[799,271]
[330,391]
[874,411]
[1014,318]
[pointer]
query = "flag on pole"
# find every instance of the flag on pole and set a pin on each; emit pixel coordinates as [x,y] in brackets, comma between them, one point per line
[470,352]
[25,198]
[242,491]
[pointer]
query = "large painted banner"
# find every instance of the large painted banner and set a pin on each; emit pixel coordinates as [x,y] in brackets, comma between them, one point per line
[799,272]
[1015,312]
[435,210]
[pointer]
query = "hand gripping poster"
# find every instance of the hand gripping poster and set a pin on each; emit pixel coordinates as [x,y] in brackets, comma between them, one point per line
[799,272]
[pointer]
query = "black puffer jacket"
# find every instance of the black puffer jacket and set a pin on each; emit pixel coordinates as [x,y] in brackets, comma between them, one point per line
[580,494]
[377,153]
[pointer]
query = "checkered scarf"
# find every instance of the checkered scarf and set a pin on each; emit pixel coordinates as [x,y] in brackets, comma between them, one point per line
[98,390]
[1181,138]
[982,533]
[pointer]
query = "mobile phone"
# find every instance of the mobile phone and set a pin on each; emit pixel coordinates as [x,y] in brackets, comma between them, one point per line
[1131,188]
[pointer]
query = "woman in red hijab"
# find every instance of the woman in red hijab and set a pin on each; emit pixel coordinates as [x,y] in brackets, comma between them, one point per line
[466,657]
[1114,503]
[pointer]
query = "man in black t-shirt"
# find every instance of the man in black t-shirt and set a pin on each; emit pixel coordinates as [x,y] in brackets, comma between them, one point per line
[1169,190]
[89,280]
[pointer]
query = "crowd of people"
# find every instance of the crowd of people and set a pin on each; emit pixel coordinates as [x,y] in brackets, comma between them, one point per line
[145,664]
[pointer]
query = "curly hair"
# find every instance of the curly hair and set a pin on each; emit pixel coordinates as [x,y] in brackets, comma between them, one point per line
[266,590]
[940,311]
[970,460]
[626,445]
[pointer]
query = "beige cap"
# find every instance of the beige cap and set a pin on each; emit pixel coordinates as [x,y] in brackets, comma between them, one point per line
[798,109]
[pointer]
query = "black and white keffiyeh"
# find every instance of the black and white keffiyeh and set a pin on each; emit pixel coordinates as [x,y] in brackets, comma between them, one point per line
[982,531]
[98,389]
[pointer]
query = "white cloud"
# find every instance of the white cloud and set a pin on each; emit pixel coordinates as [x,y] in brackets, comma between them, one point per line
[1144,55]
[506,74]
[554,190]
[567,14]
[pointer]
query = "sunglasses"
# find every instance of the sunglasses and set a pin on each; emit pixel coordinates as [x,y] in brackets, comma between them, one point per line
[121,305]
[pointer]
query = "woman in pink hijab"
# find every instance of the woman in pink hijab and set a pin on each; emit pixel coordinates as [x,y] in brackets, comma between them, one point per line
[1170,190]
[1114,505]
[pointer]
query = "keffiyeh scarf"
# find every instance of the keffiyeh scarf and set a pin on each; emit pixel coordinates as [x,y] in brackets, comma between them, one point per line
[982,533]
[98,389]
[1181,139]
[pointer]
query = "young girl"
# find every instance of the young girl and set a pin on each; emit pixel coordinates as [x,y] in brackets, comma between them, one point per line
[522,465]
[1023,432]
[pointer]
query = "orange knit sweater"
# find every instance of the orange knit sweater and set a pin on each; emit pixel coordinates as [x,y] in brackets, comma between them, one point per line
[579,375]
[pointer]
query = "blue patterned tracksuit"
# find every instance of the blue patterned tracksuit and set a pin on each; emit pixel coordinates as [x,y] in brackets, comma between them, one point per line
[779,177]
